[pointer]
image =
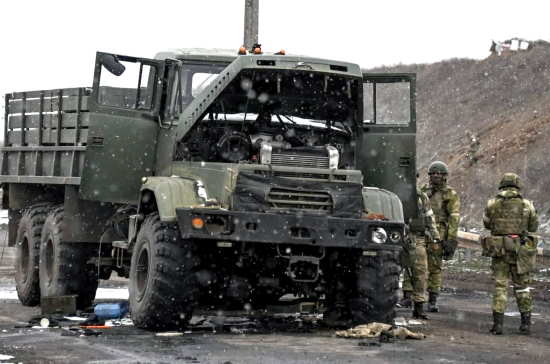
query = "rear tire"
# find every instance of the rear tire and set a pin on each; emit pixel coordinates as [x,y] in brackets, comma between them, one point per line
[163,284]
[63,268]
[377,286]
[27,254]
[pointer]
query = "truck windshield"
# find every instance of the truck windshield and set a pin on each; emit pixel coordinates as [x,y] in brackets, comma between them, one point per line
[195,77]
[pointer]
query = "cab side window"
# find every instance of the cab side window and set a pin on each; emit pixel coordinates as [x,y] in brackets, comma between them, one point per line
[131,85]
[387,103]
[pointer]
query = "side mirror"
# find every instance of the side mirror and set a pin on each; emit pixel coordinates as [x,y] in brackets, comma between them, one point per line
[112,64]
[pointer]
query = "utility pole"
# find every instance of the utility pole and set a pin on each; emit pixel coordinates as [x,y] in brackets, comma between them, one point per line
[251,10]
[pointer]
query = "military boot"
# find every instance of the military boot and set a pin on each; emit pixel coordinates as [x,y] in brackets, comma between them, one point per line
[525,327]
[498,322]
[418,312]
[406,301]
[432,303]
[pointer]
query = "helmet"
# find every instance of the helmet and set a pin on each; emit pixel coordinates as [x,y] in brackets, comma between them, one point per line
[438,167]
[510,180]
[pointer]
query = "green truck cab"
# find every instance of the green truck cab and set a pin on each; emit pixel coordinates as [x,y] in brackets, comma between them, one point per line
[214,179]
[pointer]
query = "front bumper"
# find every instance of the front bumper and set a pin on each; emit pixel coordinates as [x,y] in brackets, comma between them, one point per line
[288,229]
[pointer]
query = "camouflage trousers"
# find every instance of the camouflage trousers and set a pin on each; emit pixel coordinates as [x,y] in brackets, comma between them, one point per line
[418,282]
[435,264]
[505,268]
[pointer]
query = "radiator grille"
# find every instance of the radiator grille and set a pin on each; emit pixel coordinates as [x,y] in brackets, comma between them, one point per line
[301,175]
[283,198]
[299,160]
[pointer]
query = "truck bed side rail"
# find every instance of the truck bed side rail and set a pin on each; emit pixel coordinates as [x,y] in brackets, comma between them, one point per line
[45,134]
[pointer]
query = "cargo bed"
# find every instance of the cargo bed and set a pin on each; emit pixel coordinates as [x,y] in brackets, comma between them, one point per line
[45,136]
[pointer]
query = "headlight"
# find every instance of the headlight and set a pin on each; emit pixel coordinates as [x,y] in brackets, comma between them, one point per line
[379,235]
[333,157]
[395,236]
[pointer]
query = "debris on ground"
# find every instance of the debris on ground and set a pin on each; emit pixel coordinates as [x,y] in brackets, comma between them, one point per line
[74,331]
[58,304]
[377,329]
[364,331]
[75,318]
[404,333]
[401,321]
[92,320]
[232,322]
[96,327]
[111,310]
[122,322]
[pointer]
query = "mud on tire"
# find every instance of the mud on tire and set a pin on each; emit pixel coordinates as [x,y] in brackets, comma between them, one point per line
[163,284]
[63,268]
[377,286]
[27,253]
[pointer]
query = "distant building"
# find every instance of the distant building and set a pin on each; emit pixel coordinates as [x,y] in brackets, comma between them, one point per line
[510,45]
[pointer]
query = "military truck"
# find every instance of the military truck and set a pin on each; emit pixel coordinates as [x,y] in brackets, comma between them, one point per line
[213,179]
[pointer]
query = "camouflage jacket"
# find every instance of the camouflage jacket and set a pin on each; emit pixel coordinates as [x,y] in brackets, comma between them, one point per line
[510,213]
[446,207]
[427,215]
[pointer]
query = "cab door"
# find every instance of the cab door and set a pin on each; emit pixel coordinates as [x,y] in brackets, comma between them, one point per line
[387,148]
[124,126]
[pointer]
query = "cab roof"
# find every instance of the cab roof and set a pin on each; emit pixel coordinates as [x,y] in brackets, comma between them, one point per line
[230,55]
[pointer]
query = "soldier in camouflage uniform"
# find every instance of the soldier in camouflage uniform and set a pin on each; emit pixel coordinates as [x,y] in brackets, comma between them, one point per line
[513,221]
[446,207]
[422,232]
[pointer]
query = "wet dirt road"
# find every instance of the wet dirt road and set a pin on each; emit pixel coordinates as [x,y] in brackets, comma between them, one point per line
[458,334]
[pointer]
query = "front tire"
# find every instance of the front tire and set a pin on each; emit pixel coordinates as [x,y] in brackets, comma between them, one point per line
[163,285]
[63,268]
[27,254]
[377,286]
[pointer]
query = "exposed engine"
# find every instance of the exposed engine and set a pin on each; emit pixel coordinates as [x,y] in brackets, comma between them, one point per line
[279,143]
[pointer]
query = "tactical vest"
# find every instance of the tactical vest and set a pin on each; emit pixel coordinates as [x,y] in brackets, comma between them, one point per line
[508,215]
[439,200]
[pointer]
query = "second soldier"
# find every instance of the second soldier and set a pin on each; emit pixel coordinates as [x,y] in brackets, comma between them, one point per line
[446,207]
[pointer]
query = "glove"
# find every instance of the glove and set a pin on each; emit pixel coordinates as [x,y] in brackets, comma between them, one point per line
[449,247]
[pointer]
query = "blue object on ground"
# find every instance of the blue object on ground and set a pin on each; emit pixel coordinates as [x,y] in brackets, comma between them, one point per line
[111,310]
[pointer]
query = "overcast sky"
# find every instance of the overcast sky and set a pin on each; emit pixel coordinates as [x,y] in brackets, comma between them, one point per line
[52,44]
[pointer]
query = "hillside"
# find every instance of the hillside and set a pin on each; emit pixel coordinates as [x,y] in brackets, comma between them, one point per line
[504,101]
